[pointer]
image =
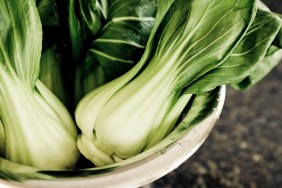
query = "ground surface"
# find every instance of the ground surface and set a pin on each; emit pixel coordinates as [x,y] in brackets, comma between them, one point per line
[245,147]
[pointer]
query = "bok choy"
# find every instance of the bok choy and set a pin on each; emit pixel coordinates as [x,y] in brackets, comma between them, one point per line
[36,129]
[189,38]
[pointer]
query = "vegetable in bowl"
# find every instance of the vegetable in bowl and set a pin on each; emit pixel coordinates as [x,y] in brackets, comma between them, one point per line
[37,129]
[134,81]
[190,50]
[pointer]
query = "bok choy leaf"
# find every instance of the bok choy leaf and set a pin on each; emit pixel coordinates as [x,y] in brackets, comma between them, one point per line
[271,59]
[250,56]
[117,46]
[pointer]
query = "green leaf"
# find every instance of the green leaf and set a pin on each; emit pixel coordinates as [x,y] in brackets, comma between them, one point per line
[214,34]
[269,62]
[20,38]
[91,17]
[84,20]
[246,57]
[122,40]
[74,31]
[48,12]
[119,44]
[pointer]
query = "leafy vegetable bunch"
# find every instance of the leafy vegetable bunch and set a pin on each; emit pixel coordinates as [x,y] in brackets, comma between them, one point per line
[117,80]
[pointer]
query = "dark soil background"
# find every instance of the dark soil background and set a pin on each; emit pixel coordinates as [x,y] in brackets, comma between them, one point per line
[245,147]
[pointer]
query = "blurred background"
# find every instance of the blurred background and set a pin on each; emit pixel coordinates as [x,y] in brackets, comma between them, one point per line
[245,147]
